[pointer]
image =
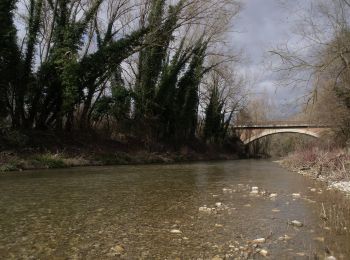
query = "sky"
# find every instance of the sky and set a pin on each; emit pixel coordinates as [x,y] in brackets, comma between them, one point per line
[261,26]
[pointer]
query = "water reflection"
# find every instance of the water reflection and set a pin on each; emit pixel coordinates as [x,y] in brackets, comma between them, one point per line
[132,212]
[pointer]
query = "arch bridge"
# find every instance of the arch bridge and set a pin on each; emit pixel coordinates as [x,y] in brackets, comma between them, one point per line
[250,132]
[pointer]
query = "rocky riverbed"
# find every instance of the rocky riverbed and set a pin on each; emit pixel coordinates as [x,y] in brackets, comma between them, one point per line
[217,210]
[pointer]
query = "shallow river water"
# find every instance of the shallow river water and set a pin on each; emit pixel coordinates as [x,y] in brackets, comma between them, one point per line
[183,211]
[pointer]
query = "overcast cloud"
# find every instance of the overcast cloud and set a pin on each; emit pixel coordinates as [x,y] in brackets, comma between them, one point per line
[263,25]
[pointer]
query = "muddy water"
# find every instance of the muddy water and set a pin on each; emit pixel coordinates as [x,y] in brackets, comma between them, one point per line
[152,212]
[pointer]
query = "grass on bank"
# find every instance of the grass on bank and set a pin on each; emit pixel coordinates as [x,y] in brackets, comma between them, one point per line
[41,161]
[332,164]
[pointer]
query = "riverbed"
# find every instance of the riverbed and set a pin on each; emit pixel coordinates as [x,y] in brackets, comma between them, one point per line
[244,209]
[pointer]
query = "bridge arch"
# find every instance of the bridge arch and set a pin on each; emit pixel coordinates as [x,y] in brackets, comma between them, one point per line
[267,132]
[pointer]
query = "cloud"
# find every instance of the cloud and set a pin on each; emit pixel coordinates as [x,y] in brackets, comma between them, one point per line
[263,25]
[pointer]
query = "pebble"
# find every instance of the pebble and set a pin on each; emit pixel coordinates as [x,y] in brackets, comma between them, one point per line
[276,210]
[175,231]
[273,195]
[225,190]
[313,190]
[218,204]
[216,258]
[296,223]
[330,258]
[284,238]
[296,195]
[118,249]
[263,252]
[205,209]
[319,239]
[218,225]
[259,240]
[247,205]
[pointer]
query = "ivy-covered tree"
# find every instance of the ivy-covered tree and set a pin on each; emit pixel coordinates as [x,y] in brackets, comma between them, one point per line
[214,117]
[187,99]
[10,61]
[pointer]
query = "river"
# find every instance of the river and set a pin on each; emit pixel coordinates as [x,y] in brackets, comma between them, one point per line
[183,211]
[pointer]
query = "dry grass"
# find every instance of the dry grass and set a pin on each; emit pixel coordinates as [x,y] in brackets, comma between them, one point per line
[333,165]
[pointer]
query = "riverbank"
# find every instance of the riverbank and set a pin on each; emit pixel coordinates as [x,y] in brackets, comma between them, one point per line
[329,166]
[48,151]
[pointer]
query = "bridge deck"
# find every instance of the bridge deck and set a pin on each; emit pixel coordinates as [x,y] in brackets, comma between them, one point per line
[280,126]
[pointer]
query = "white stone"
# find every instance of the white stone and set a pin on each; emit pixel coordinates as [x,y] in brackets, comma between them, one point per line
[259,240]
[175,231]
[296,223]
[296,195]
[205,209]
[273,195]
[330,258]
[218,204]
[263,252]
[118,249]
[284,238]
[342,186]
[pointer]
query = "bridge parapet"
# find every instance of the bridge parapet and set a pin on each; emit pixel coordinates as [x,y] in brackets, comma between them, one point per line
[280,124]
[253,131]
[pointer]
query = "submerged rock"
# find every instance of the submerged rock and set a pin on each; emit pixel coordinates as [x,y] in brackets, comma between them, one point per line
[319,239]
[296,223]
[218,204]
[259,240]
[205,209]
[296,195]
[175,231]
[263,252]
[118,250]
[225,190]
[284,238]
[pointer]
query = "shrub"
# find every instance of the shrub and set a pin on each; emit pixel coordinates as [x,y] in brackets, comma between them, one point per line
[8,167]
[49,161]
